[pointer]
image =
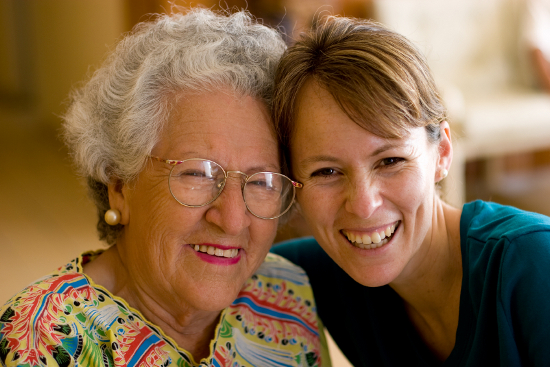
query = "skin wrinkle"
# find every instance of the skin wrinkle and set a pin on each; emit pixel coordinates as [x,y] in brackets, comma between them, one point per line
[161,275]
[156,61]
[145,301]
[123,113]
[142,272]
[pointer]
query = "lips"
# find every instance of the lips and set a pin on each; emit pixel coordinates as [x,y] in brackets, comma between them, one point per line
[372,239]
[216,251]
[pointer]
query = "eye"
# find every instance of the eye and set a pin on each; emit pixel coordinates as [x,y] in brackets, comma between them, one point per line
[194,173]
[391,161]
[258,183]
[324,172]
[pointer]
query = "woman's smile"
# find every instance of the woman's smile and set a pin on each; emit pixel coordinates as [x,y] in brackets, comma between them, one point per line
[362,201]
[371,239]
[218,254]
[215,247]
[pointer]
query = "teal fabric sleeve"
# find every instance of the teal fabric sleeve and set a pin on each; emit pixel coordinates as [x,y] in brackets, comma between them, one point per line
[506,261]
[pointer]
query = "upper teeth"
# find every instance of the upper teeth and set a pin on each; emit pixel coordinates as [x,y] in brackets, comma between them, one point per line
[211,250]
[371,240]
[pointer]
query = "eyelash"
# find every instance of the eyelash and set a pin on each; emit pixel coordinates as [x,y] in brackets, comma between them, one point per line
[322,172]
[395,160]
[384,163]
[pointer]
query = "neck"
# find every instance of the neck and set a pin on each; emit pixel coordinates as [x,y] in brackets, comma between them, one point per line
[190,328]
[430,287]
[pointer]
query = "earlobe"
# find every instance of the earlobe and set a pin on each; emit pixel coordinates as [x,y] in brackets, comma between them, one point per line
[118,200]
[445,151]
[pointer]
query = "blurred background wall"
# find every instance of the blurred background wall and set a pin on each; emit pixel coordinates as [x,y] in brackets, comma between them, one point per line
[46,49]
[478,51]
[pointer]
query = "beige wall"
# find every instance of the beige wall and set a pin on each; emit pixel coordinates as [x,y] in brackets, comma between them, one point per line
[45,217]
[68,37]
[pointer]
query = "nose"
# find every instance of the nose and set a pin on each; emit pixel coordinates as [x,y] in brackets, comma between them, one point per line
[363,197]
[228,211]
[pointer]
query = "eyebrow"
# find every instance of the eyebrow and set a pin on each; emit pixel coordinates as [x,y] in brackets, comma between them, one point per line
[328,158]
[256,169]
[182,156]
[386,147]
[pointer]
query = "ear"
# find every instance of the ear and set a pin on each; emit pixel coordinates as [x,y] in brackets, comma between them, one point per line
[118,199]
[445,148]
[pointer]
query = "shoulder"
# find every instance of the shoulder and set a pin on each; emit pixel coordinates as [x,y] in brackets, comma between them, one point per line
[275,315]
[278,285]
[485,221]
[277,267]
[57,318]
[40,318]
[58,286]
[507,243]
[278,276]
[67,281]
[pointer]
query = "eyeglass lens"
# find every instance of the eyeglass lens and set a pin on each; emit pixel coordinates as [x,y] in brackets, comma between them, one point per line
[198,182]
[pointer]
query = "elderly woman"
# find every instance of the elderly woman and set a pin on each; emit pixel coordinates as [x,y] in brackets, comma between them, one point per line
[404,278]
[174,136]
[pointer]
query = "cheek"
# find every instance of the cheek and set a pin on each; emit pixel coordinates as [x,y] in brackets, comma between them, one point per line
[262,234]
[154,224]
[151,213]
[317,210]
[412,195]
[409,189]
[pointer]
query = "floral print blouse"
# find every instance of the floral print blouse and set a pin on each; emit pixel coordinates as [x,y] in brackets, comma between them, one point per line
[64,319]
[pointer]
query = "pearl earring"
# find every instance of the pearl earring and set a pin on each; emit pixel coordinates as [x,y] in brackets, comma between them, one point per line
[112,217]
[443,173]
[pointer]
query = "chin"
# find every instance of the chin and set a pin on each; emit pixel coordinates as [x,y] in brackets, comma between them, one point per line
[371,276]
[373,283]
[216,297]
[214,300]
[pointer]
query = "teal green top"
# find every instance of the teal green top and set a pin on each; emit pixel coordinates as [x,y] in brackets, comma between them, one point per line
[504,315]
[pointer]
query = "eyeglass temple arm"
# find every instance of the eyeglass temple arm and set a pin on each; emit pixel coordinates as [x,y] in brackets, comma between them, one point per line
[297,184]
[171,162]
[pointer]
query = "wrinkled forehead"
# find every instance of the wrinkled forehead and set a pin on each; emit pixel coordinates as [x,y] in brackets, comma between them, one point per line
[221,126]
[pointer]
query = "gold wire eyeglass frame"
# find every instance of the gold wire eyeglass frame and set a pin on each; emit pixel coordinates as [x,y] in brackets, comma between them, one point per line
[174,163]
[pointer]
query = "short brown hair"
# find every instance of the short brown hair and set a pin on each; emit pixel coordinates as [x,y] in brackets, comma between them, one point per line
[377,76]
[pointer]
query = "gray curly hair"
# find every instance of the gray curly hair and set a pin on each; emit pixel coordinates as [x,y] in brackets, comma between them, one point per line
[114,121]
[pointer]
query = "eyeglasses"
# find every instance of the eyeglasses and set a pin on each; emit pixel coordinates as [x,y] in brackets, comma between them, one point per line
[197,182]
